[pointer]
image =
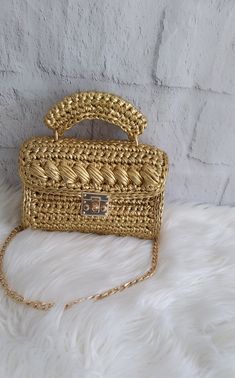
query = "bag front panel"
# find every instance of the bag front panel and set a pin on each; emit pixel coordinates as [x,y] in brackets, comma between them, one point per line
[56,174]
[133,217]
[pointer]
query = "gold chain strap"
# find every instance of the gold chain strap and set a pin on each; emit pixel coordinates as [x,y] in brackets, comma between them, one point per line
[47,305]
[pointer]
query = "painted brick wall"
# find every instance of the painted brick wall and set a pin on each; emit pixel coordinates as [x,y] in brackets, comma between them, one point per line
[174,59]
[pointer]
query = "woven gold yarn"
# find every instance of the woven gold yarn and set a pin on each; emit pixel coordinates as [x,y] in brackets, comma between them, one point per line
[96,105]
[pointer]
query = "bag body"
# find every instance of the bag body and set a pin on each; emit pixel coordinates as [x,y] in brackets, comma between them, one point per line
[102,187]
[96,186]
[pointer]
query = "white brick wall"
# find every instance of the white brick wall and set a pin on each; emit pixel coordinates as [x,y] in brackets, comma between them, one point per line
[175,59]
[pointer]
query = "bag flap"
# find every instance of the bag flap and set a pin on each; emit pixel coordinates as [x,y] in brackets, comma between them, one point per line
[74,165]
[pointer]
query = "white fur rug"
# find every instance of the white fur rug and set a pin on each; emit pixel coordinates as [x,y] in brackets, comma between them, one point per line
[178,324]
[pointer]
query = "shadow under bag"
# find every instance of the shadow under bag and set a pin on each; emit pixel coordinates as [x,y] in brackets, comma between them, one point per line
[95,186]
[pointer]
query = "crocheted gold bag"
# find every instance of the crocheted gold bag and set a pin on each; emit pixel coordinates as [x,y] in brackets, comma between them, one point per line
[103,187]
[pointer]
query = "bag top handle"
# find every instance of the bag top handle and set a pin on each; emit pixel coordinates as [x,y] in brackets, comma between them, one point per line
[96,105]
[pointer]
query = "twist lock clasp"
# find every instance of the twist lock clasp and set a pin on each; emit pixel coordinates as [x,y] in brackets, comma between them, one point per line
[94,204]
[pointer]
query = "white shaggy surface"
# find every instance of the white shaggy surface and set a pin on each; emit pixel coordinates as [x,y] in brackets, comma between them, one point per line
[178,324]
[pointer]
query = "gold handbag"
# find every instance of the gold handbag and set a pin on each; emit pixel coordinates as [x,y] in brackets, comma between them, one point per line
[103,187]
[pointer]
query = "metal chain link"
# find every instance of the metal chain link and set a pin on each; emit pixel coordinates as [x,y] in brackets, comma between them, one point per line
[39,305]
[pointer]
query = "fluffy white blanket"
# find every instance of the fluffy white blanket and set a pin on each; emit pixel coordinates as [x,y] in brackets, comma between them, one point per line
[178,324]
